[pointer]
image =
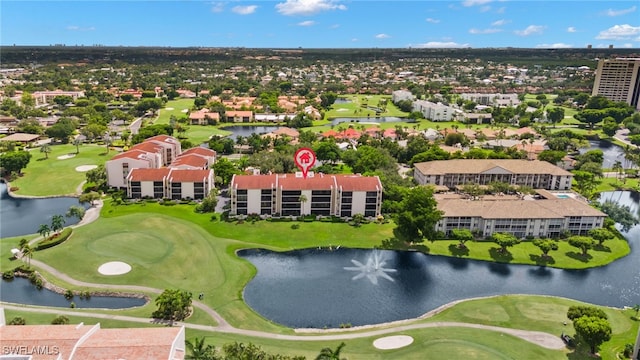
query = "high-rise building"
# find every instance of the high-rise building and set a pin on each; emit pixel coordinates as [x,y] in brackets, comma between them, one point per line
[619,80]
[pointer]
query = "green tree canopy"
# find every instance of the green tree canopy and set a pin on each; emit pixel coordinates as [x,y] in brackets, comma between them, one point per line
[417,215]
[593,331]
[505,240]
[584,243]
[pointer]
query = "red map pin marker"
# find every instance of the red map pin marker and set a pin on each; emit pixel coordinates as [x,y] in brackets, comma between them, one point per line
[305,158]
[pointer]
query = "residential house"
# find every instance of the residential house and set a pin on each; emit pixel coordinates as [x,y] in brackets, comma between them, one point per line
[536,174]
[203,116]
[239,116]
[294,195]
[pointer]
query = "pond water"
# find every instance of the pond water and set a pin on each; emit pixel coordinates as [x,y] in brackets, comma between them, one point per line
[322,288]
[342,101]
[21,291]
[22,216]
[244,131]
[611,151]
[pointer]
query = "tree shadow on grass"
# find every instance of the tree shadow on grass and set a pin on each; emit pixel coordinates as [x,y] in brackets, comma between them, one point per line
[579,256]
[397,244]
[542,260]
[603,248]
[456,250]
[500,256]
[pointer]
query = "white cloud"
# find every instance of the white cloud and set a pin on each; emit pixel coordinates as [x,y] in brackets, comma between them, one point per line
[571,29]
[441,44]
[500,22]
[307,23]
[627,45]
[484,31]
[354,40]
[334,26]
[612,12]
[244,10]
[468,3]
[530,30]
[217,7]
[619,32]
[485,8]
[432,20]
[554,46]
[308,7]
[78,28]
[382,36]
[501,10]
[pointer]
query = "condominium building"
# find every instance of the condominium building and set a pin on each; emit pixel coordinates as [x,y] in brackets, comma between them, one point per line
[87,342]
[434,111]
[169,183]
[451,173]
[157,153]
[545,214]
[619,80]
[294,195]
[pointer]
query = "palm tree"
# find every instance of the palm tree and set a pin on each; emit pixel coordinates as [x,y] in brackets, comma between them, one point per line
[57,223]
[636,308]
[303,199]
[44,230]
[329,354]
[77,143]
[27,251]
[198,350]
[46,149]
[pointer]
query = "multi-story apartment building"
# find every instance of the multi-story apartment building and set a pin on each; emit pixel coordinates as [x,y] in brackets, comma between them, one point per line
[543,215]
[619,80]
[294,195]
[451,173]
[434,111]
[492,99]
[154,168]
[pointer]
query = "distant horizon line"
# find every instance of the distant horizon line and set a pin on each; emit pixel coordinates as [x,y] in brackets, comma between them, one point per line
[611,47]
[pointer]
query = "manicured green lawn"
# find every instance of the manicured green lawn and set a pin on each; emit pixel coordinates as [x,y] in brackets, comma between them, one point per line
[175,108]
[354,108]
[566,257]
[536,313]
[54,176]
[199,134]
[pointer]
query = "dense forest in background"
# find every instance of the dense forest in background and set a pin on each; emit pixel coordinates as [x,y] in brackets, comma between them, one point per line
[104,54]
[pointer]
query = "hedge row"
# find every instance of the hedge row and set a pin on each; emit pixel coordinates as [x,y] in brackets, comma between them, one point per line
[53,241]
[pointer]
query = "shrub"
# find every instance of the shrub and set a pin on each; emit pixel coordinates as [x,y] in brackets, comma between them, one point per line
[72,305]
[7,275]
[68,294]
[60,320]
[295,226]
[53,241]
[18,320]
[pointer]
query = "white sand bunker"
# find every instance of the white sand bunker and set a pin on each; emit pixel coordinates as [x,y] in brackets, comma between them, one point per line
[341,110]
[114,268]
[393,342]
[169,109]
[67,156]
[85,168]
[184,111]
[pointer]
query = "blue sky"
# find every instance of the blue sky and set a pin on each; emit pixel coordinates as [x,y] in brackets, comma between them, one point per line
[322,23]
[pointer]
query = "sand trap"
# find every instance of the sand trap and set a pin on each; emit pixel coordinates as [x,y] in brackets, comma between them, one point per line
[85,168]
[114,268]
[392,342]
[168,109]
[184,110]
[68,156]
[341,110]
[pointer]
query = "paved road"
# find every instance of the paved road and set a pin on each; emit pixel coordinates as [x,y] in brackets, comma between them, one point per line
[539,338]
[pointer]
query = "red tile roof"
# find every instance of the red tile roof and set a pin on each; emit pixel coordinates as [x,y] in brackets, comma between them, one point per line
[147,343]
[149,174]
[199,151]
[131,154]
[183,175]
[246,182]
[51,340]
[148,146]
[317,182]
[163,138]
[358,183]
[193,160]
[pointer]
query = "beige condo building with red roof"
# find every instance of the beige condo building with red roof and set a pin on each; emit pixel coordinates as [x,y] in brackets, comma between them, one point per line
[326,195]
[158,168]
[89,342]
